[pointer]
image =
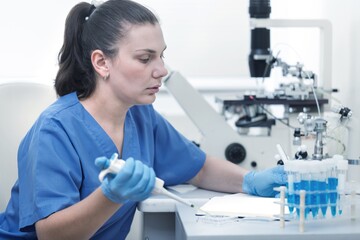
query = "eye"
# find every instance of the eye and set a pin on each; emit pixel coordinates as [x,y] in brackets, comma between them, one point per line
[144,59]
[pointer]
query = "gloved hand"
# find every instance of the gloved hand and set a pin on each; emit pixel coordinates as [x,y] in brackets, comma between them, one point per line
[135,181]
[262,183]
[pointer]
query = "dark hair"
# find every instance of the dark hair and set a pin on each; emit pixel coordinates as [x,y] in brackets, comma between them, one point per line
[88,28]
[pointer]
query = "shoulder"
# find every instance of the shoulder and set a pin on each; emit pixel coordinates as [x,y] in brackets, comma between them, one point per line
[61,106]
[64,109]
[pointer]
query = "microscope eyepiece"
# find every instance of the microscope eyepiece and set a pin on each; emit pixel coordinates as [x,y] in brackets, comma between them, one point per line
[259,8]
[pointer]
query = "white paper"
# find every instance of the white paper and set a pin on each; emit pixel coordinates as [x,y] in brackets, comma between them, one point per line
[243,205]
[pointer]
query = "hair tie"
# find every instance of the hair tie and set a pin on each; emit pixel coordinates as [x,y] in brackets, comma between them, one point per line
[96,3]
[93,6]
[91,10]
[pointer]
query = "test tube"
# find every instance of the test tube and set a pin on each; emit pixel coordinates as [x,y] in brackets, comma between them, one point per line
[305,176]
[342,167]
[297,180]
[314,168]
[323,197]
[289,169]
[332,185]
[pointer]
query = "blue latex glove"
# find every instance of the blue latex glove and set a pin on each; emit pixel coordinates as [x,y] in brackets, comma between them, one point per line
[262,183]
[135,181]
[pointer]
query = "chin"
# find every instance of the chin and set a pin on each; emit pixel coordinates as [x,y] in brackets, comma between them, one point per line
[150,99]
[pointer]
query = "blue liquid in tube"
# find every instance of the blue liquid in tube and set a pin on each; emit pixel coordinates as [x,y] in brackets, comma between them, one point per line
[297,197]
[315,197]
[323,198]
[332,185]
[289,167]
[290,197]
[305,185]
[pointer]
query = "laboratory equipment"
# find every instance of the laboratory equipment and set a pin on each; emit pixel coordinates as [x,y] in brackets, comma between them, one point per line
[282,153]
[301,152]
[115,165]
[351,121]
[323,196]
[332,185]
[326,180]
[219,138]
[342,167]
[318,126]
[315,183]
[290,169]
[260,40]
[317,186]
[294,98]
[313,125]
[319,180]
[297,96]
[254,108]
[247,126]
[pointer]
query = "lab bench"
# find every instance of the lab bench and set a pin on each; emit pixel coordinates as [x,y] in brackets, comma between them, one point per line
[190,227]
[166,219]
[158,211]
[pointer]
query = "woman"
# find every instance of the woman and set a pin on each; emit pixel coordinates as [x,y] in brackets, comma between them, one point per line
[110,69]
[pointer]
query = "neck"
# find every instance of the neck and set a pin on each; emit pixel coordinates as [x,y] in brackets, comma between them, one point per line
[106,111]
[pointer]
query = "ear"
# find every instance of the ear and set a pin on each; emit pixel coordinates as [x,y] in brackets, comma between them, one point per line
[100,63]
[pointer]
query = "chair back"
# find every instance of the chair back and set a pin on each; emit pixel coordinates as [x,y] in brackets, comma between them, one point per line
[20,105]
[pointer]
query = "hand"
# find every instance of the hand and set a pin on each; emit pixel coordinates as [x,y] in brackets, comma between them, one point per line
[262,183]
[135,181]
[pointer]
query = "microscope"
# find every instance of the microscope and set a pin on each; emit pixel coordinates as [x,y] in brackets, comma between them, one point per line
[246,129]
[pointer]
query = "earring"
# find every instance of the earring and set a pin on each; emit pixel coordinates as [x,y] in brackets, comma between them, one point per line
[106,77]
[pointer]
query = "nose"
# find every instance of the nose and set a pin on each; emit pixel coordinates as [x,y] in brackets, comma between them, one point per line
[160,71]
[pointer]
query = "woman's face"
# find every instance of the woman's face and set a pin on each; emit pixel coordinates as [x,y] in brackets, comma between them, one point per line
[136,72]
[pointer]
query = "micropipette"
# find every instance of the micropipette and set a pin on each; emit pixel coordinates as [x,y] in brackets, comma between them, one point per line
[282,153]
[115,165]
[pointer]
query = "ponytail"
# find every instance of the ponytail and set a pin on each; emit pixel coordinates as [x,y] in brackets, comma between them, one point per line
[75,71]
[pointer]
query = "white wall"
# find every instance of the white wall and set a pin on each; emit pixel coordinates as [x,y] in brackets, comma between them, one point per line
[207,39]
[346,50]
[31,34]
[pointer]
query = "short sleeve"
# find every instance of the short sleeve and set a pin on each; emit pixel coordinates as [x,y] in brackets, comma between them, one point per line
[50,175]
[177,159]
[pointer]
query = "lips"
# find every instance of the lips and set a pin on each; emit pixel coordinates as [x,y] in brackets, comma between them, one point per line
[154,89]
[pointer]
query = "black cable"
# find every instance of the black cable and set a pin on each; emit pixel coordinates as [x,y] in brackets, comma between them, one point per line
[278,119]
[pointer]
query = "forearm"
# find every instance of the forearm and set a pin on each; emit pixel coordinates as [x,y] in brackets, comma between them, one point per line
[79,221]
[220,175]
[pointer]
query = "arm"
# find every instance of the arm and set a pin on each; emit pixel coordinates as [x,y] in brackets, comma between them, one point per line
[79,221]
[220,175]
[134,182]
[224,176]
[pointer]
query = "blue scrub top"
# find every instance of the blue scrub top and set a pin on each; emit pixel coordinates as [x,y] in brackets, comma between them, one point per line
[56,164]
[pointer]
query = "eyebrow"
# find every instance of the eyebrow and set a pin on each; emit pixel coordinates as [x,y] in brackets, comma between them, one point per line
[150,50]
[146,50]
